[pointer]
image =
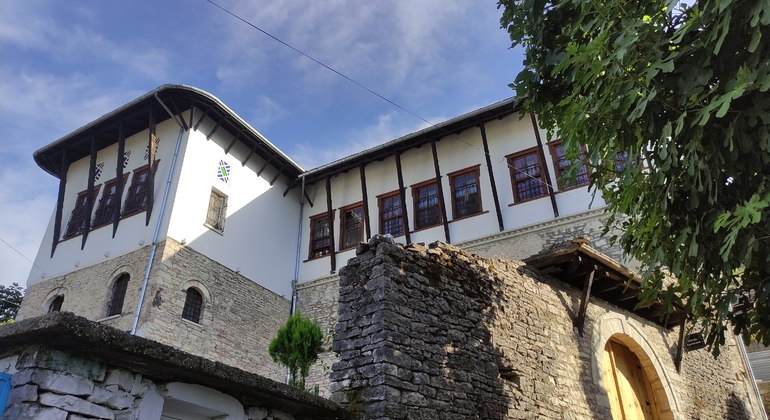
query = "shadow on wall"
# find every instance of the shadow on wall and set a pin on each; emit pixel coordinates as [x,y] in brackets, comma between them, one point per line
[736,408]
[414,335]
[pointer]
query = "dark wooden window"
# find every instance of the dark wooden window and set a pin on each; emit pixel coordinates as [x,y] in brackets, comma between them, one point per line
[561,163]
[118,295]
[352,226]
[320,239]
[106,206]
[391,214]
[55,305]
[215,218]
[466,197]
[136,199]
[193,306]
[527,175]
[426,205]
[79,216]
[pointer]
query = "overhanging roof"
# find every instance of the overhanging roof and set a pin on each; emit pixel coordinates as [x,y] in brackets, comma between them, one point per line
[135,118]
[571,261]
[416,139]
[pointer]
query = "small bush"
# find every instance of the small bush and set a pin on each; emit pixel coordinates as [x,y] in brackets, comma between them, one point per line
[297,346]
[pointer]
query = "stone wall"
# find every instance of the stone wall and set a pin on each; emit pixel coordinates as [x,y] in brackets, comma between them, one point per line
[439,333]
[239,317]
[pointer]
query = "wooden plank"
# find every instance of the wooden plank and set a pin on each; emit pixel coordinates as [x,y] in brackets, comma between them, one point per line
[610,382]
[541,152]
[65,164]
[264,165]
[232,143]
[192,109]
[151,168]
[491,177]
[213,130]
[309,201]
[251,153]
[200,121]
[631,388]
[330,215]
[365,195]
[90,192]
[402,194]
[277,174]
[680,345]
[581,318]
[119,180]
[176,112]
[440,189]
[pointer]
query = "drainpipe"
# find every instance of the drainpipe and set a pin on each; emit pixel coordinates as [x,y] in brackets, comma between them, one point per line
[160,215]
[299,251]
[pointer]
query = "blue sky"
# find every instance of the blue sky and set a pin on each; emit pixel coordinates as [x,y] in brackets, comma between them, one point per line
[64,64]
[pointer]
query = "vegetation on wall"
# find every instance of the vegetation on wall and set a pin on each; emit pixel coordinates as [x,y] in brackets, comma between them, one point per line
[671,102]
[10,300]
[297,346]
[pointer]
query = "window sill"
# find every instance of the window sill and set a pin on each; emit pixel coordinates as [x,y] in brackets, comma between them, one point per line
[426,228]
[192,324]
[109,317]
[220,232]
[468,216]
[529,200]
[318,257]
[572,188]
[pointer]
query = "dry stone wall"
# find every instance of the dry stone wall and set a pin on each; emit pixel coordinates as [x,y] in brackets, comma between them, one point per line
[438,333]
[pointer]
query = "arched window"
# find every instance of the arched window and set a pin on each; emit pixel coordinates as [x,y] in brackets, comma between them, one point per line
[628,386]
[193,304]
[55,305]
[118,295]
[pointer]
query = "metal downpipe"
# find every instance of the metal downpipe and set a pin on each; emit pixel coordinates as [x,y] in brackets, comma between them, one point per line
[299,250]
[160,215]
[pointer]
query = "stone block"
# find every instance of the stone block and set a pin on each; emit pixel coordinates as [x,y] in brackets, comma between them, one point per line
[112,397]
[257,413]
[120,377]
[280,415]
[151,405]
[22,393]
[22,377]
[62,384]
[74,365]
[33,411]
[76,405]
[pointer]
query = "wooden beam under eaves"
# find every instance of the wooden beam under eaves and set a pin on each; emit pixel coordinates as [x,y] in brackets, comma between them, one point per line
[402,196]
[365,196]
[232,143]
[200,120]
[65,164]
[440,188]
[213,130]
[330,215]
[90,193]
[251,153]
[488,159]
[176,112]
[581,317]
[150,180]
[264,166]
[119,179]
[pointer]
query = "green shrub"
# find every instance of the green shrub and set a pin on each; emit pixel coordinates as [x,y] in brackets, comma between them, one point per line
[297,346]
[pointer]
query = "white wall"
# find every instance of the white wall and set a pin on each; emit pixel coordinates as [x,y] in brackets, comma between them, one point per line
[133,232]
[260,233]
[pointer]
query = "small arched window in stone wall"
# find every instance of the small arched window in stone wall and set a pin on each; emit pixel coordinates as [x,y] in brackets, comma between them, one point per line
[118,295]
[55,305]
[628,385]
[193,306]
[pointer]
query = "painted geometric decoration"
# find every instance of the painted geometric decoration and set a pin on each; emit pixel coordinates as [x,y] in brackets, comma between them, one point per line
[147,148]
[224,172]
[126,156]
[98,171]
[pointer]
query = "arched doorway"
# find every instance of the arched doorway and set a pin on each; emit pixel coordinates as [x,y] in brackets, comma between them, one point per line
[628,385]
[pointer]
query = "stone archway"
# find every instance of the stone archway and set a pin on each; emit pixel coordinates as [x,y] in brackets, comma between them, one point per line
[624,331]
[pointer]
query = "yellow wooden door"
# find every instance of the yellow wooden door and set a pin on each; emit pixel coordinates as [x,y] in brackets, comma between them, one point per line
[628,387]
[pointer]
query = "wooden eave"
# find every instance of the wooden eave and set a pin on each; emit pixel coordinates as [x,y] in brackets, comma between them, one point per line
[414,140]
[571,261]
[135,116]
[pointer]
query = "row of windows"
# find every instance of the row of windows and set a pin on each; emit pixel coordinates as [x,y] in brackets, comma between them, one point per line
[193,304]
[136,202]
[527,178]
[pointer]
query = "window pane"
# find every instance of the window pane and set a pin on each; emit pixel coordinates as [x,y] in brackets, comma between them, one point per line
[466,196]
[391,220]
[352,224]
[193,304]
[118,295]
[426,207]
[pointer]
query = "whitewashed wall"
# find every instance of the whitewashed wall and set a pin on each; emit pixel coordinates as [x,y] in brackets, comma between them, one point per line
[259,238]
[133,232]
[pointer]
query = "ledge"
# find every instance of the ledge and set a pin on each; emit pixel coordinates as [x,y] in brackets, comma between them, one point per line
[159,362]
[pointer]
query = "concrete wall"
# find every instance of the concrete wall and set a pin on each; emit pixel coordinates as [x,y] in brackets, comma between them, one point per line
[430,333]
[239,317]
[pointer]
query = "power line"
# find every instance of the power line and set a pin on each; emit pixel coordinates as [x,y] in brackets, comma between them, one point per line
[23,256]
[362,86]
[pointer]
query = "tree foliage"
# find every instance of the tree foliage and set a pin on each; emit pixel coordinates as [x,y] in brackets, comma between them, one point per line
[297,346]
[10,300]
[681,93]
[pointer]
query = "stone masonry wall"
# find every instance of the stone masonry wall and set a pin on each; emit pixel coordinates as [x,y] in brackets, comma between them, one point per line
[239,317]
[439,333]
[317,300]
[57,385]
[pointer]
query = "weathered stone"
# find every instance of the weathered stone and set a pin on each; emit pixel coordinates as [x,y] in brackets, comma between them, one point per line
[76,405]
[77,366]
[62,384]
[112,397]
[120,377]
[280,415]
[22,393]
[257,413]
[33,412]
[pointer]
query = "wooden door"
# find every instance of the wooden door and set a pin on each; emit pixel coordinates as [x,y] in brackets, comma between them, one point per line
[627,385]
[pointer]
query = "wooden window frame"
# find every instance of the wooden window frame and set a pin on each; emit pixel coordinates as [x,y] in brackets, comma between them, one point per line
[119,288]
[558,169]
[532,151]
[344,229]
[129,208]
[380,213]
[80,202]
[416,188]
[463,172]
[96,223]
[193,305]
[312,252]
[217,216]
